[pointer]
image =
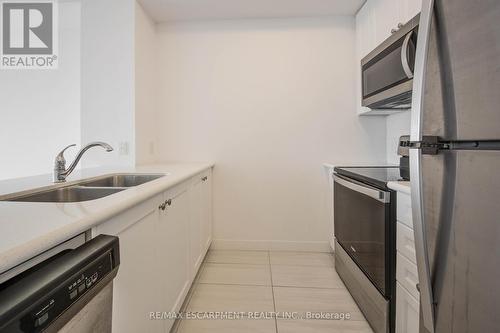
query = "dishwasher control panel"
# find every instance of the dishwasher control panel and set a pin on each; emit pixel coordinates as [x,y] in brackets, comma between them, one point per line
[64,297]
[54,291]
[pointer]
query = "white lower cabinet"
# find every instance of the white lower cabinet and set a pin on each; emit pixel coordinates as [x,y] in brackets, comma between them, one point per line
[407,274]
[200,219]
[195,221]
[407,295]
[407,313]
[173,253]
[405,242]
[206,210]
[158,240]
[136,287]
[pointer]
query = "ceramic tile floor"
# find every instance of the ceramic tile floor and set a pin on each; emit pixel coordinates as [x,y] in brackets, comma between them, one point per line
[274,284]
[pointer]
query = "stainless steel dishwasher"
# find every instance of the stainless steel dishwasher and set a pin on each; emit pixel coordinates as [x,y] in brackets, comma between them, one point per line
[70,291]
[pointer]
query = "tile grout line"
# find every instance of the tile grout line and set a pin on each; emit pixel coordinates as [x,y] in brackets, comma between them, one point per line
[272,291]
[269,285]
[233,263]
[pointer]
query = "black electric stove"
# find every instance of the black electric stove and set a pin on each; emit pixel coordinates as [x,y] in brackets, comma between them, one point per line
[377,176]
[365,238]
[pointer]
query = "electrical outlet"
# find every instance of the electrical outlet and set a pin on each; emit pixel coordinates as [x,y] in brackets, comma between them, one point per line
[124,148]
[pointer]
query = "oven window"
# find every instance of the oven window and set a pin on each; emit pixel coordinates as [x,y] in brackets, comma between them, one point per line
[360,228]
[385,71]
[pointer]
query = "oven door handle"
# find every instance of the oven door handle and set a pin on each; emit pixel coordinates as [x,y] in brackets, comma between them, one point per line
[384,197]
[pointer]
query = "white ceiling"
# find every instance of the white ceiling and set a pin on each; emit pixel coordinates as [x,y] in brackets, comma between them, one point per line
[180,10]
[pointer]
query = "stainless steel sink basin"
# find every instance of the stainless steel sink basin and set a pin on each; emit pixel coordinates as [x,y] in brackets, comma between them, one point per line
[68,194]
[124,180]
[84,190]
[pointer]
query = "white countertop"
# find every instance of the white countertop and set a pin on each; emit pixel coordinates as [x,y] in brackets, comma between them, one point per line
[401,186]
[29,228]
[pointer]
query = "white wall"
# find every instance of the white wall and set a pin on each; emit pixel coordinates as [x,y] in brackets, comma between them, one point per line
[397,124]
[108,88]
[269,101]
[40,109]
[146,88]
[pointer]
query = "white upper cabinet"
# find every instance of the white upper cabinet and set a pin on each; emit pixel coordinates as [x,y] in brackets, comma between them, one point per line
[387,17]
[409,8]
[365,42]
[365,34]
[390,14]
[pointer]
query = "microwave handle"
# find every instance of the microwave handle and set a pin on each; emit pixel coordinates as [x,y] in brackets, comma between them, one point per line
[404,56]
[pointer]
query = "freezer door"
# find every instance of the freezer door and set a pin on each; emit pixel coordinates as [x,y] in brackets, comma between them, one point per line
[461,98]
[461,192]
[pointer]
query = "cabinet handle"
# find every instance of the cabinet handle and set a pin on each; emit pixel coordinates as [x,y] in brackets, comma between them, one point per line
[162,206]
[169,202]
[394,30]
[204,178]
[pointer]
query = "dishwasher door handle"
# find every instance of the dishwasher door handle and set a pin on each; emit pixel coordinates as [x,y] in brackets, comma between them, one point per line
[382,196]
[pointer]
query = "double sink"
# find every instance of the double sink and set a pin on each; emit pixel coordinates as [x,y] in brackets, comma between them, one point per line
[86,190]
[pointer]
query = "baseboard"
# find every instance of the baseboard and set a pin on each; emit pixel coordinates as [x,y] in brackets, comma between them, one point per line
[270,245]
[332,244]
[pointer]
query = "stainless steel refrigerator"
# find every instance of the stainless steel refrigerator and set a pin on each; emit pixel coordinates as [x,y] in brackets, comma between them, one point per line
[455,165]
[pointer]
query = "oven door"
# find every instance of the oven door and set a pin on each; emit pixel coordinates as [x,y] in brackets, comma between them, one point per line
[362,227]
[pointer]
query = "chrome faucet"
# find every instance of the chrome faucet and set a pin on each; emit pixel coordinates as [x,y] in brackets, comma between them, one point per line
[60,171]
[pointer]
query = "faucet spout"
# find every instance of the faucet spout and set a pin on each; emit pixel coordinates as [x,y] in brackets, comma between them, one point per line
[60,171]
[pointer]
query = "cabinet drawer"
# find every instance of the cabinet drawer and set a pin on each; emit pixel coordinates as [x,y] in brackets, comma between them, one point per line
[404,209]
[407,275]
[407,311]
[405,242]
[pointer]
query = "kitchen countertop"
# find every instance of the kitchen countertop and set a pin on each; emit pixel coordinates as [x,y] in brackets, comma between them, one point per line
[400,186]
[28,228]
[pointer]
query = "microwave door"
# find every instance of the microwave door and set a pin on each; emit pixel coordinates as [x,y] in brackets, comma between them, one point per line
[384,71]
[387,72]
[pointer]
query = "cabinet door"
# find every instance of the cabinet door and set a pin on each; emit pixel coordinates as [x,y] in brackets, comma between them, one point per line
[136,285]
[173,251]
[365,42]
[206,212]
[409,8]
[407,311]
[365,32]
[386,18]
[195,222]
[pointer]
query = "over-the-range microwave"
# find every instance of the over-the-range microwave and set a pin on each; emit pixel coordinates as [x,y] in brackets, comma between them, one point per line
[387,71]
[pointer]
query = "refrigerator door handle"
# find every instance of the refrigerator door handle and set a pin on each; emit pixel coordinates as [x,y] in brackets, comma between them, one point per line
[421,249]
[424,273]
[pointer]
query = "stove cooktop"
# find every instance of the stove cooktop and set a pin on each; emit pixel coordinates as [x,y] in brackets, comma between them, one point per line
[377,176]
